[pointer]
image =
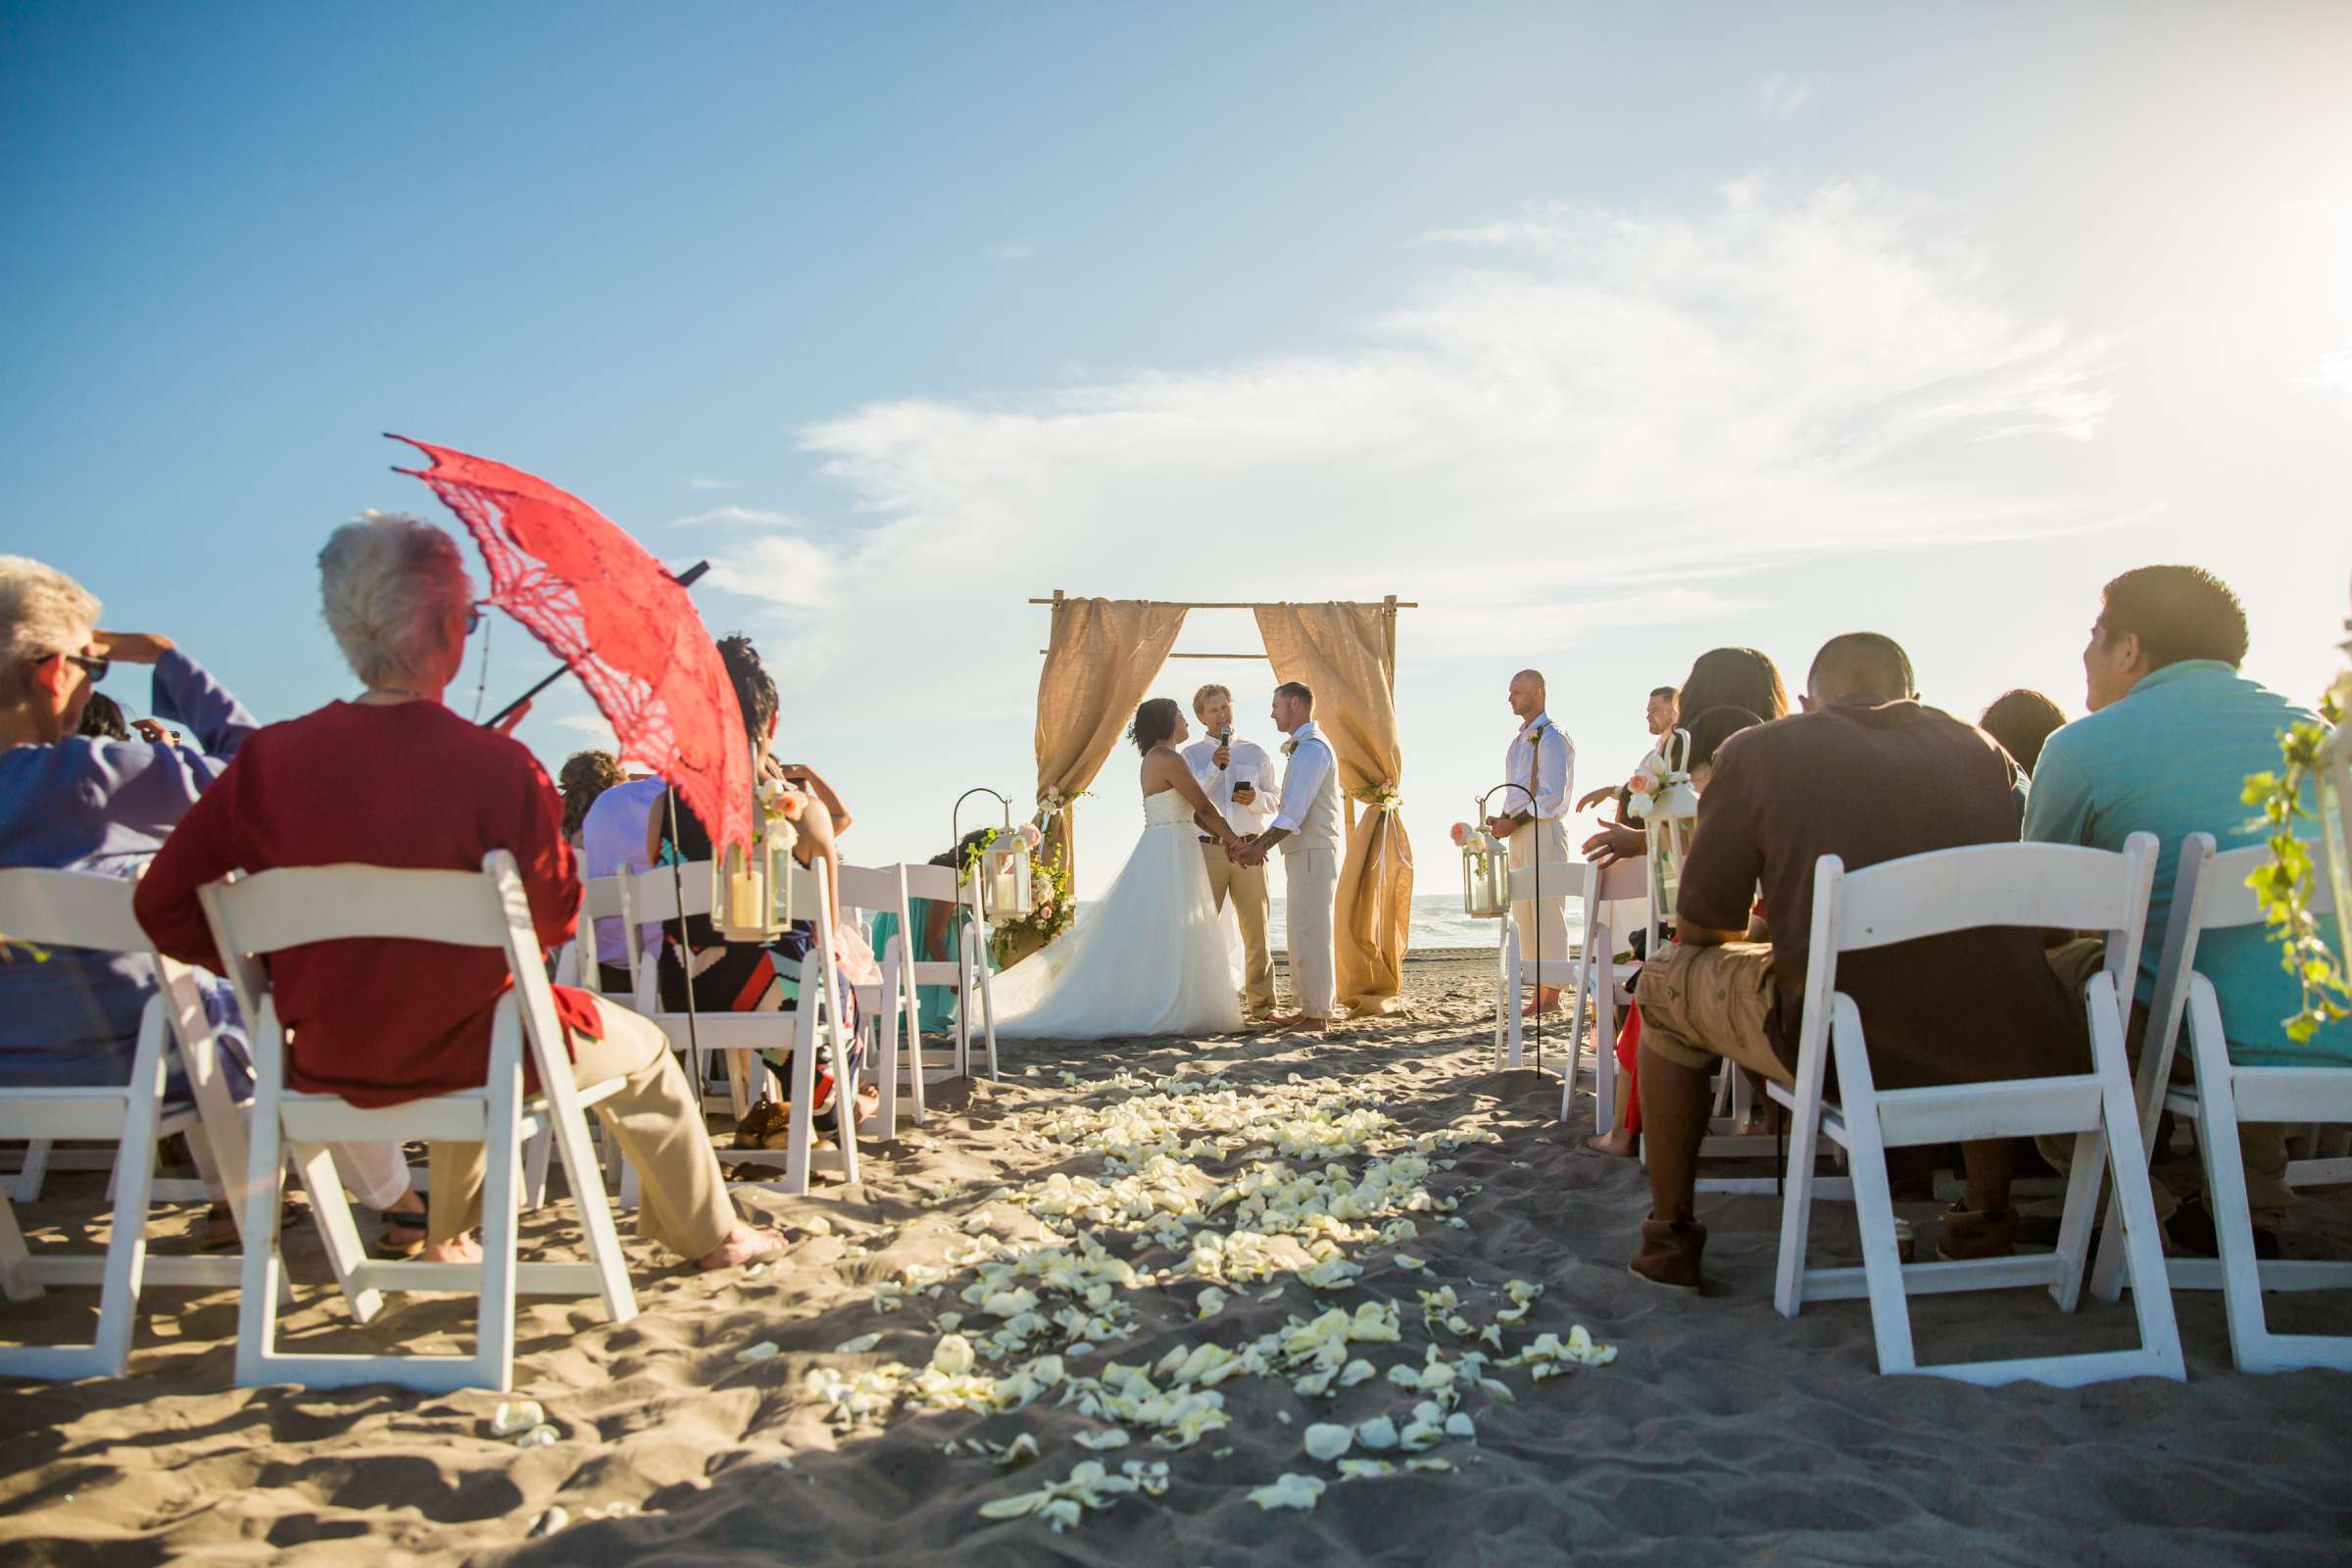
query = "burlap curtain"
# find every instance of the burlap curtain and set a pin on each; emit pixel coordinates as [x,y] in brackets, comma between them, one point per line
[1100,664]
[1342,652]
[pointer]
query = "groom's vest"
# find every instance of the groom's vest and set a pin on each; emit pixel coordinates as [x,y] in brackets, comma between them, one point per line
[1320,825]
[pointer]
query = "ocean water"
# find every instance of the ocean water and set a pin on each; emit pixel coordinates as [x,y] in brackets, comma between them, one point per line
[1437,922]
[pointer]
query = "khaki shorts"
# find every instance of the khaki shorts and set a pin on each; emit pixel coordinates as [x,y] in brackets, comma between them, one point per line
[1704,1005]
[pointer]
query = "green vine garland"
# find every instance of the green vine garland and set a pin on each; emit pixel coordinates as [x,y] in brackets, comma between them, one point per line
[2284,887]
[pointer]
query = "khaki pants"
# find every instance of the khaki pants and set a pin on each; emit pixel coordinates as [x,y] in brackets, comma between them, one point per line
[2262,1146]
[1311,887]
[654,1118]
[1247,886]
[1542,922]
[1700,1005]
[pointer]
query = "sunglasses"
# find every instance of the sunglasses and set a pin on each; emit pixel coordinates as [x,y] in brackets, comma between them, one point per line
[95,665]
[474,620]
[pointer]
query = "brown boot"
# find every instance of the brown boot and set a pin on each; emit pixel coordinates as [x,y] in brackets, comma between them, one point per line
[1972,1233]
[1669,1254]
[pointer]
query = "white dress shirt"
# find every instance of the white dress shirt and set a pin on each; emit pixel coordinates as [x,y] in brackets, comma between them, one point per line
[1250,762]
[612,841]
[1540,748]
[1310,760]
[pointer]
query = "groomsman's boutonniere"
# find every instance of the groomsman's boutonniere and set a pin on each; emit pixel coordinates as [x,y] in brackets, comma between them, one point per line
[1290,748]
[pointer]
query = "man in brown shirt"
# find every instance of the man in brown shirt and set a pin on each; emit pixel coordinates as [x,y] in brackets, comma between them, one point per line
[1868,774]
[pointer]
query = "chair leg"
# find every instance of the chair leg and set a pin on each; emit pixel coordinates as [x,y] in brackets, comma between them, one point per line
[134,1176]
[570,1135]
[340,1234]
[25,1186]
[494,1321]
[535,1154]
[262,1270]
[2223,1156]
[16,1261]
[2143,1243]
[2084,1178]
[800,1126]
[1796,1207]
[1882,1263]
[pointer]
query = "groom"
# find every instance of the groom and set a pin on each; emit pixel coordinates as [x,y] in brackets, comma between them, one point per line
[1308,830]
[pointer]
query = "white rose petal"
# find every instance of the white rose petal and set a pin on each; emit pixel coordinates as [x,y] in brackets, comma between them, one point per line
[1326,1440]
[1291,1491]
[1377,1434]
[858,1346]
[764,1350]
[516,1415]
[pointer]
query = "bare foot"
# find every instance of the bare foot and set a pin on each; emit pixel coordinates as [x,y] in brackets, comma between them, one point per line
[1616,1140]
[1306,1025]
[1544,1002]
[459,1249]
[743,1244]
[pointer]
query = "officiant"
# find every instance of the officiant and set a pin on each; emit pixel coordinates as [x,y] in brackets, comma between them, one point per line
[1238,776]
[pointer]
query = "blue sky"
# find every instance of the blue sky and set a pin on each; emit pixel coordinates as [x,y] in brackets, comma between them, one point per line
[1608,334]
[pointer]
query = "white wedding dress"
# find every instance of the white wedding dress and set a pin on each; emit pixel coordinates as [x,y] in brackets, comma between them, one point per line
[1149,958]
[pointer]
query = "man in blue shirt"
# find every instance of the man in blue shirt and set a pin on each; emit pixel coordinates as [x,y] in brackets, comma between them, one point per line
[2172,733]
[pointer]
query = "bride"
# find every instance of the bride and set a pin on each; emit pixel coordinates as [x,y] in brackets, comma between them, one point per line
[1149,958]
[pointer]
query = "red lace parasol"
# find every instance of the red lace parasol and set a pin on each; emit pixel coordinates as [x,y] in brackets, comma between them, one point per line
[617,619]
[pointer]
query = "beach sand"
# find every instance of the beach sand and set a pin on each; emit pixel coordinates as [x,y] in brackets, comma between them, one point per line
[1719,1424]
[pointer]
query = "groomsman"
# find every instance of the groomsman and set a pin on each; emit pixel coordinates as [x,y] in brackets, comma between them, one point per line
[1540,766]
[1308,829]
[1238,776]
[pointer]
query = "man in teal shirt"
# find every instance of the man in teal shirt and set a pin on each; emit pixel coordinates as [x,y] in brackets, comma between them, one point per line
[2173,731]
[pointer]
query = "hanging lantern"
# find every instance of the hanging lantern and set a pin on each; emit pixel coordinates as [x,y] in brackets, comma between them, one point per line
[751,896]
[1004,876]
[1663,797]
[1002,866]
[1486,873]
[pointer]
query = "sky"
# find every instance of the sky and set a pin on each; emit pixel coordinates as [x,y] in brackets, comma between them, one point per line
[1608,334]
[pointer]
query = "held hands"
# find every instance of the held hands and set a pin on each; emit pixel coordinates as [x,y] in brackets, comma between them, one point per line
[1247,852]
[1503,827]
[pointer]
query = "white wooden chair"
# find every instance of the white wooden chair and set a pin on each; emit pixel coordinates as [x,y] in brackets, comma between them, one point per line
[654,897]
[967,972]
[1516,973]
[79,910]
[2033,885]
[253,917]
[886,1009]
[2210,893]
[1603,988]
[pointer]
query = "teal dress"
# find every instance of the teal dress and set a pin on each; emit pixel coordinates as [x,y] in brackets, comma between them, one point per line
[935,1006]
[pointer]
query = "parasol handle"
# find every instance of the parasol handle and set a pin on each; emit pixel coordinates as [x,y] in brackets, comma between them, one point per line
[684,579]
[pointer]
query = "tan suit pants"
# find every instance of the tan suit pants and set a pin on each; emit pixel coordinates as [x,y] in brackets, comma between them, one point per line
[1310,885]
[1246,886]
[653,1115]
[1542,922]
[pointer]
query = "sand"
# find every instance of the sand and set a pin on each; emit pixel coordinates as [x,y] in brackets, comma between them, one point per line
[1718,1424]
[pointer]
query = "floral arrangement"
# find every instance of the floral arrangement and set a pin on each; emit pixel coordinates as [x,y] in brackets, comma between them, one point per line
[1460,834]
[1657,790]
[1050,909]
[2286,885]
[1385,797]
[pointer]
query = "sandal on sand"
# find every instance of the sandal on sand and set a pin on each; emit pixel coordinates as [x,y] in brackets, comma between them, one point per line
[218,1233]
[401,1235]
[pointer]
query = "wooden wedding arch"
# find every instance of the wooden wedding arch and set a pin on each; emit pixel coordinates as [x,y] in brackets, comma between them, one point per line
[1101,661]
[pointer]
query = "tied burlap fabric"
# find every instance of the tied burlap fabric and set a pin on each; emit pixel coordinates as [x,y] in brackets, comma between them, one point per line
[1341,651]
[1100,664]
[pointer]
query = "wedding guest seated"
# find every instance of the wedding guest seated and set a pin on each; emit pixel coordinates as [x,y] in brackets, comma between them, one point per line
[1658,713]
[2173,731]
[584,778]
[612,840]
[754,976]
[102,719]
[73,801]
[2022,720]
[1741,679]
[393,778]
[1708,731]
[1869,775]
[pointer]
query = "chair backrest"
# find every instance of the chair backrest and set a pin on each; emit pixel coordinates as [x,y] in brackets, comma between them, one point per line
[2052,885]
[935,882]
[662,893]
[874,889]
[69,910]
[292,906]
[1554,879]
[2209,894]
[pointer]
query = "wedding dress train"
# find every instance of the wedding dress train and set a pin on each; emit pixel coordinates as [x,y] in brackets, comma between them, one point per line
[1149,958]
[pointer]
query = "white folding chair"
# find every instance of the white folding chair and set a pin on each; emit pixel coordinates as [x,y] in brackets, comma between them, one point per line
[967,972]
[79,910]
[2210,893]
[1603,988]
[886,1010]
[253,917]
[2044,886]
[655,897]
[1515,972]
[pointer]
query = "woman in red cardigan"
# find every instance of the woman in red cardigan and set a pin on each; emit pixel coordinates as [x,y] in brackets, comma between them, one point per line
[394,778]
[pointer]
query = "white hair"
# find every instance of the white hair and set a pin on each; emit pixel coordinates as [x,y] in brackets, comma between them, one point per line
[390,582]
[42,612]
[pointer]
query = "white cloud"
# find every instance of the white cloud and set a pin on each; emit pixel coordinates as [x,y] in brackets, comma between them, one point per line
[1778,98]
[740,516]
[1770,379]
[1015,251]
[792,573]
[586,723]
[701,482]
